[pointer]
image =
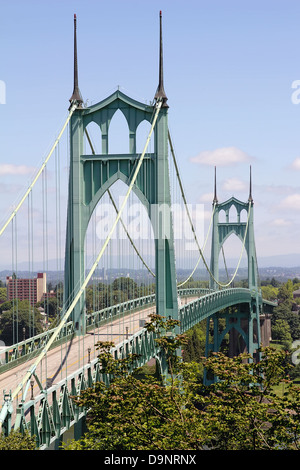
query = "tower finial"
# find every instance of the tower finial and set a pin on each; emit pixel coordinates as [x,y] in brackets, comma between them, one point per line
[215,201]
[76,96]
[160,92]
[250,199]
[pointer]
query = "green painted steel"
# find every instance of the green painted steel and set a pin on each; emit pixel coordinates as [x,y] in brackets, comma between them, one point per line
[91,176]
[254,305]
[53,412]
[19,353]
[222,230]
[211,303]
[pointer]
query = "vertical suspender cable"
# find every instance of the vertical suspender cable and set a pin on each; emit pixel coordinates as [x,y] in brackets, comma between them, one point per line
[87,279]
[194,232]
[39,172]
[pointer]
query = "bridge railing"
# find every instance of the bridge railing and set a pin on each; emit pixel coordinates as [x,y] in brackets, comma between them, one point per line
[55,406]
[107,314]
[15,354]
[197,310]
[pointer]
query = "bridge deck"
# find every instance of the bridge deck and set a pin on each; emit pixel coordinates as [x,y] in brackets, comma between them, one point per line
[73,365]
[67,359]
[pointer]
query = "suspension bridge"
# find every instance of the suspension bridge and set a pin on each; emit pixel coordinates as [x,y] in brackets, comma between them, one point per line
[41,371]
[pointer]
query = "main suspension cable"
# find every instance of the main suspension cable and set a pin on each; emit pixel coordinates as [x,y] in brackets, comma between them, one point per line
[188,213]
[87,279]
[12,215]
[200,257]
[194,232]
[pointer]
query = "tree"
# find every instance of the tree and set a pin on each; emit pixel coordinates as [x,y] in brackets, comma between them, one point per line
[285,291]
[3,294]
[194,350]
[127,285]
[6,306]
[139,414]
[284,312]
[269,292]
[21,320]
[239,411]
[274,282]
[294,324]
[17,441]
[50,306]
[281,331]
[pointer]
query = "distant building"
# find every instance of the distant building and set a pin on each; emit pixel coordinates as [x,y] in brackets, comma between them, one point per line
[27,289]
[49,295]
[296,294]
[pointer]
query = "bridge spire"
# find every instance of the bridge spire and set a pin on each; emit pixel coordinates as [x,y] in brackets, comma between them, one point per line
[76,96]
[160,92]
[250,199]
[215,201]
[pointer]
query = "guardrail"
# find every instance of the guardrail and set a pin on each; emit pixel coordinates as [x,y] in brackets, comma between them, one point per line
[16,354]
[205,306]
[55,407]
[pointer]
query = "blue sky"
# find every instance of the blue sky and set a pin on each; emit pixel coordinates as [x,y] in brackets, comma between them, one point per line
[229,68]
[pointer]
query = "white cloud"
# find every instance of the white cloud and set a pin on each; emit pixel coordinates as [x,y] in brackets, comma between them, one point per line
[225,156]
[296,164]
[207,197]
[275,189]
[291,202]
[234,184]
[11,169]
[10,188]
[280,222]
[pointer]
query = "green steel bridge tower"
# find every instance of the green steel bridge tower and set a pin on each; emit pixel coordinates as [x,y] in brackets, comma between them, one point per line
[52,413]
[245,318]
[91,176]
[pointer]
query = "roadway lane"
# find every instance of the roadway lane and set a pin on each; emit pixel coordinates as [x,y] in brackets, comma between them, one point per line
[68,358]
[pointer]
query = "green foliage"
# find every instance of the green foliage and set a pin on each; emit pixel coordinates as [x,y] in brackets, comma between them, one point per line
[17,441]
[239,412]
[120,290]
[285,291]
[6,306]
[3,294]
[269,292]
[243,413]
[273,282]
[194,350]
[50,306]
[283,312]
[18,320]
[281,331]
[126,284]
[98,299]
